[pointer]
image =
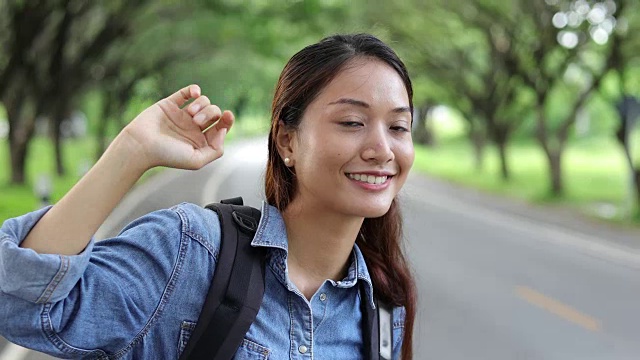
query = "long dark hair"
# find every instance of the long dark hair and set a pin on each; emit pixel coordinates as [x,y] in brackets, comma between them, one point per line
[304,76]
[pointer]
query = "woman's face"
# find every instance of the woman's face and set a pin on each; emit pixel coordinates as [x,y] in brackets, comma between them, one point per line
[353,149]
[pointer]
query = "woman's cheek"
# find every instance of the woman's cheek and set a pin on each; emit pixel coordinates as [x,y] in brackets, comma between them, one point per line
[407,154]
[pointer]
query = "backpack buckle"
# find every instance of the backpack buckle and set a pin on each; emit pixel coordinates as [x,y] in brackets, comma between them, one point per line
[245,222]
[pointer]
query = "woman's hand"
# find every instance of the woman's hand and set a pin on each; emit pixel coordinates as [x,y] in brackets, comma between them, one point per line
[165,134]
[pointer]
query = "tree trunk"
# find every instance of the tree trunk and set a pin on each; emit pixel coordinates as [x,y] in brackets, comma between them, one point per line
[423,134]
[60,111]
[504,168]
[58,141]
[500,136]
[21,130]
[555,167]
[18,152]
[478,141]
[553,153]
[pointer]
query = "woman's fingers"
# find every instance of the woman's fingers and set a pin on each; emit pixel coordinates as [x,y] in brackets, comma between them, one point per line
[199,114]
[226,121]
[183,95]
[198,104]
[207,115]
[215,139]
[215,135]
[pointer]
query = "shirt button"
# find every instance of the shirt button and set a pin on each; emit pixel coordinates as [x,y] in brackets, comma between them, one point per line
[323,297]
[302,349]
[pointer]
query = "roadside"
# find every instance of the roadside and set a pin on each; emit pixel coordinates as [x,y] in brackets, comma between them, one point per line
[623,237]
[594,172]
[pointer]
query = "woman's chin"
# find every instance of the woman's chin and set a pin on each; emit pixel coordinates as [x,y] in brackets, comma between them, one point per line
[374,211]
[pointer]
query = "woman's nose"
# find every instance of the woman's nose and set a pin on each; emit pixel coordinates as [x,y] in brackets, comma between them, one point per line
[378,146]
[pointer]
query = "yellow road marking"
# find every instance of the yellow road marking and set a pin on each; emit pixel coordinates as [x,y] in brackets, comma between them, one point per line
[555,307]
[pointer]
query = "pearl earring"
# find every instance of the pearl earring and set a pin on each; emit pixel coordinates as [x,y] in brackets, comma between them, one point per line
[287,161]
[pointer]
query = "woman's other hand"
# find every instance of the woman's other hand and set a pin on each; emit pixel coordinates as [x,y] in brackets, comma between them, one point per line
[168,134]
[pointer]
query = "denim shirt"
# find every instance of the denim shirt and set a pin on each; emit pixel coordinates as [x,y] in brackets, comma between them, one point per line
[138,295]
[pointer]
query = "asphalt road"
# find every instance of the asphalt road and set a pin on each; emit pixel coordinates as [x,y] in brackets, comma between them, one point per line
[497,280]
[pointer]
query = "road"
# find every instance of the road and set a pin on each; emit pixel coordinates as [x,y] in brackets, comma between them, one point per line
[497,280]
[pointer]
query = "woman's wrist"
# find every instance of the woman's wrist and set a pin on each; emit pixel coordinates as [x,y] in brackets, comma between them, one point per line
[130,154]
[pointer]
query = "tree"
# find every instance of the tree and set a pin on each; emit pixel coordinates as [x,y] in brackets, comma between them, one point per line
[468,69]
[541,57]
[59,49]
[50,52]
[18,75]
[625,47]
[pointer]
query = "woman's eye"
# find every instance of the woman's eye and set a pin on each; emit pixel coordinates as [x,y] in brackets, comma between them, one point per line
[351,123]
[399,128]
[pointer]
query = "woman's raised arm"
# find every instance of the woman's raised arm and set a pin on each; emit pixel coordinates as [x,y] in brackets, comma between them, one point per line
[165,134]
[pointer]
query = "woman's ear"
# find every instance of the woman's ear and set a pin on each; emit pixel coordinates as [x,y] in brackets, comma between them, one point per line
[286,143]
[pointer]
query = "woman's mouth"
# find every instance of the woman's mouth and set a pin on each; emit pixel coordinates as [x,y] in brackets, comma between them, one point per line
[369,179]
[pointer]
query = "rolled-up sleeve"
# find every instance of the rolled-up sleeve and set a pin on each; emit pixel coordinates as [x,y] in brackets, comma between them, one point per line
[99,302]
[37,278]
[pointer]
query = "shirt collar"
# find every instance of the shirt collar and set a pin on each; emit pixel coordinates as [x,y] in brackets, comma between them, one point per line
[272,233]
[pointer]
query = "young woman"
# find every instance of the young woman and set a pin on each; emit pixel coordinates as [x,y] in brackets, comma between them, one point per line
[340,149]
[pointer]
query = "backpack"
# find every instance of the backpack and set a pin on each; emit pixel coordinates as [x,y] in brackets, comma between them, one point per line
[237,288]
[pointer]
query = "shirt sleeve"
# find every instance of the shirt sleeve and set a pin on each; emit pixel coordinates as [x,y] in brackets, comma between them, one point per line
[94,304]
[34,277]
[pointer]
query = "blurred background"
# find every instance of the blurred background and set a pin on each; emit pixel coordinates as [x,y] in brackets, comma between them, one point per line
[533,99]
[534,102]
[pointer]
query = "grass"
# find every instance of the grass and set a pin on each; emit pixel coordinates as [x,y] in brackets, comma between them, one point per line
[595,175]
[19,199]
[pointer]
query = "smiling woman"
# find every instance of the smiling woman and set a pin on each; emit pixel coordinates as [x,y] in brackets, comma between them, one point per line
[342,112]
[339,149]
[356,127]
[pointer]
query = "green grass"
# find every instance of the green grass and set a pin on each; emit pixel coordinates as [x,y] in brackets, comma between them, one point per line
[19,199]
[594,170]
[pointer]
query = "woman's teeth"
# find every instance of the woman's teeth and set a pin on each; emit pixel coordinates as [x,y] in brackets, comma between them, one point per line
[368,178]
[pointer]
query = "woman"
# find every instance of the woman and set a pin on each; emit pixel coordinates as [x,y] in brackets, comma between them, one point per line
[340,150]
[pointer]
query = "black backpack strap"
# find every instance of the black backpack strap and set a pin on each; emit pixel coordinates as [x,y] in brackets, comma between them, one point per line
[237,288]
[377,328]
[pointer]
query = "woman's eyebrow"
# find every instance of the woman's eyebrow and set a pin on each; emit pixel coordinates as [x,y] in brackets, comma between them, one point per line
[363,104]
[351,102]
[402,109]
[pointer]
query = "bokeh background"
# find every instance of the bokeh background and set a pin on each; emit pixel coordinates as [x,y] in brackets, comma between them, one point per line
[536,100]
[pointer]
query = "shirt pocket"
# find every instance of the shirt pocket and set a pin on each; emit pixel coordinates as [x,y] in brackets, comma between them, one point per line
[186,328]
[248,350]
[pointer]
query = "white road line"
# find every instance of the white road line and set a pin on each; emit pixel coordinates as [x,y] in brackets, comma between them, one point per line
[545,232]
[13,352]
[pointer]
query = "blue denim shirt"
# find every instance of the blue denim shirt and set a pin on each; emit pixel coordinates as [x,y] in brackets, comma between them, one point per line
[138,295]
